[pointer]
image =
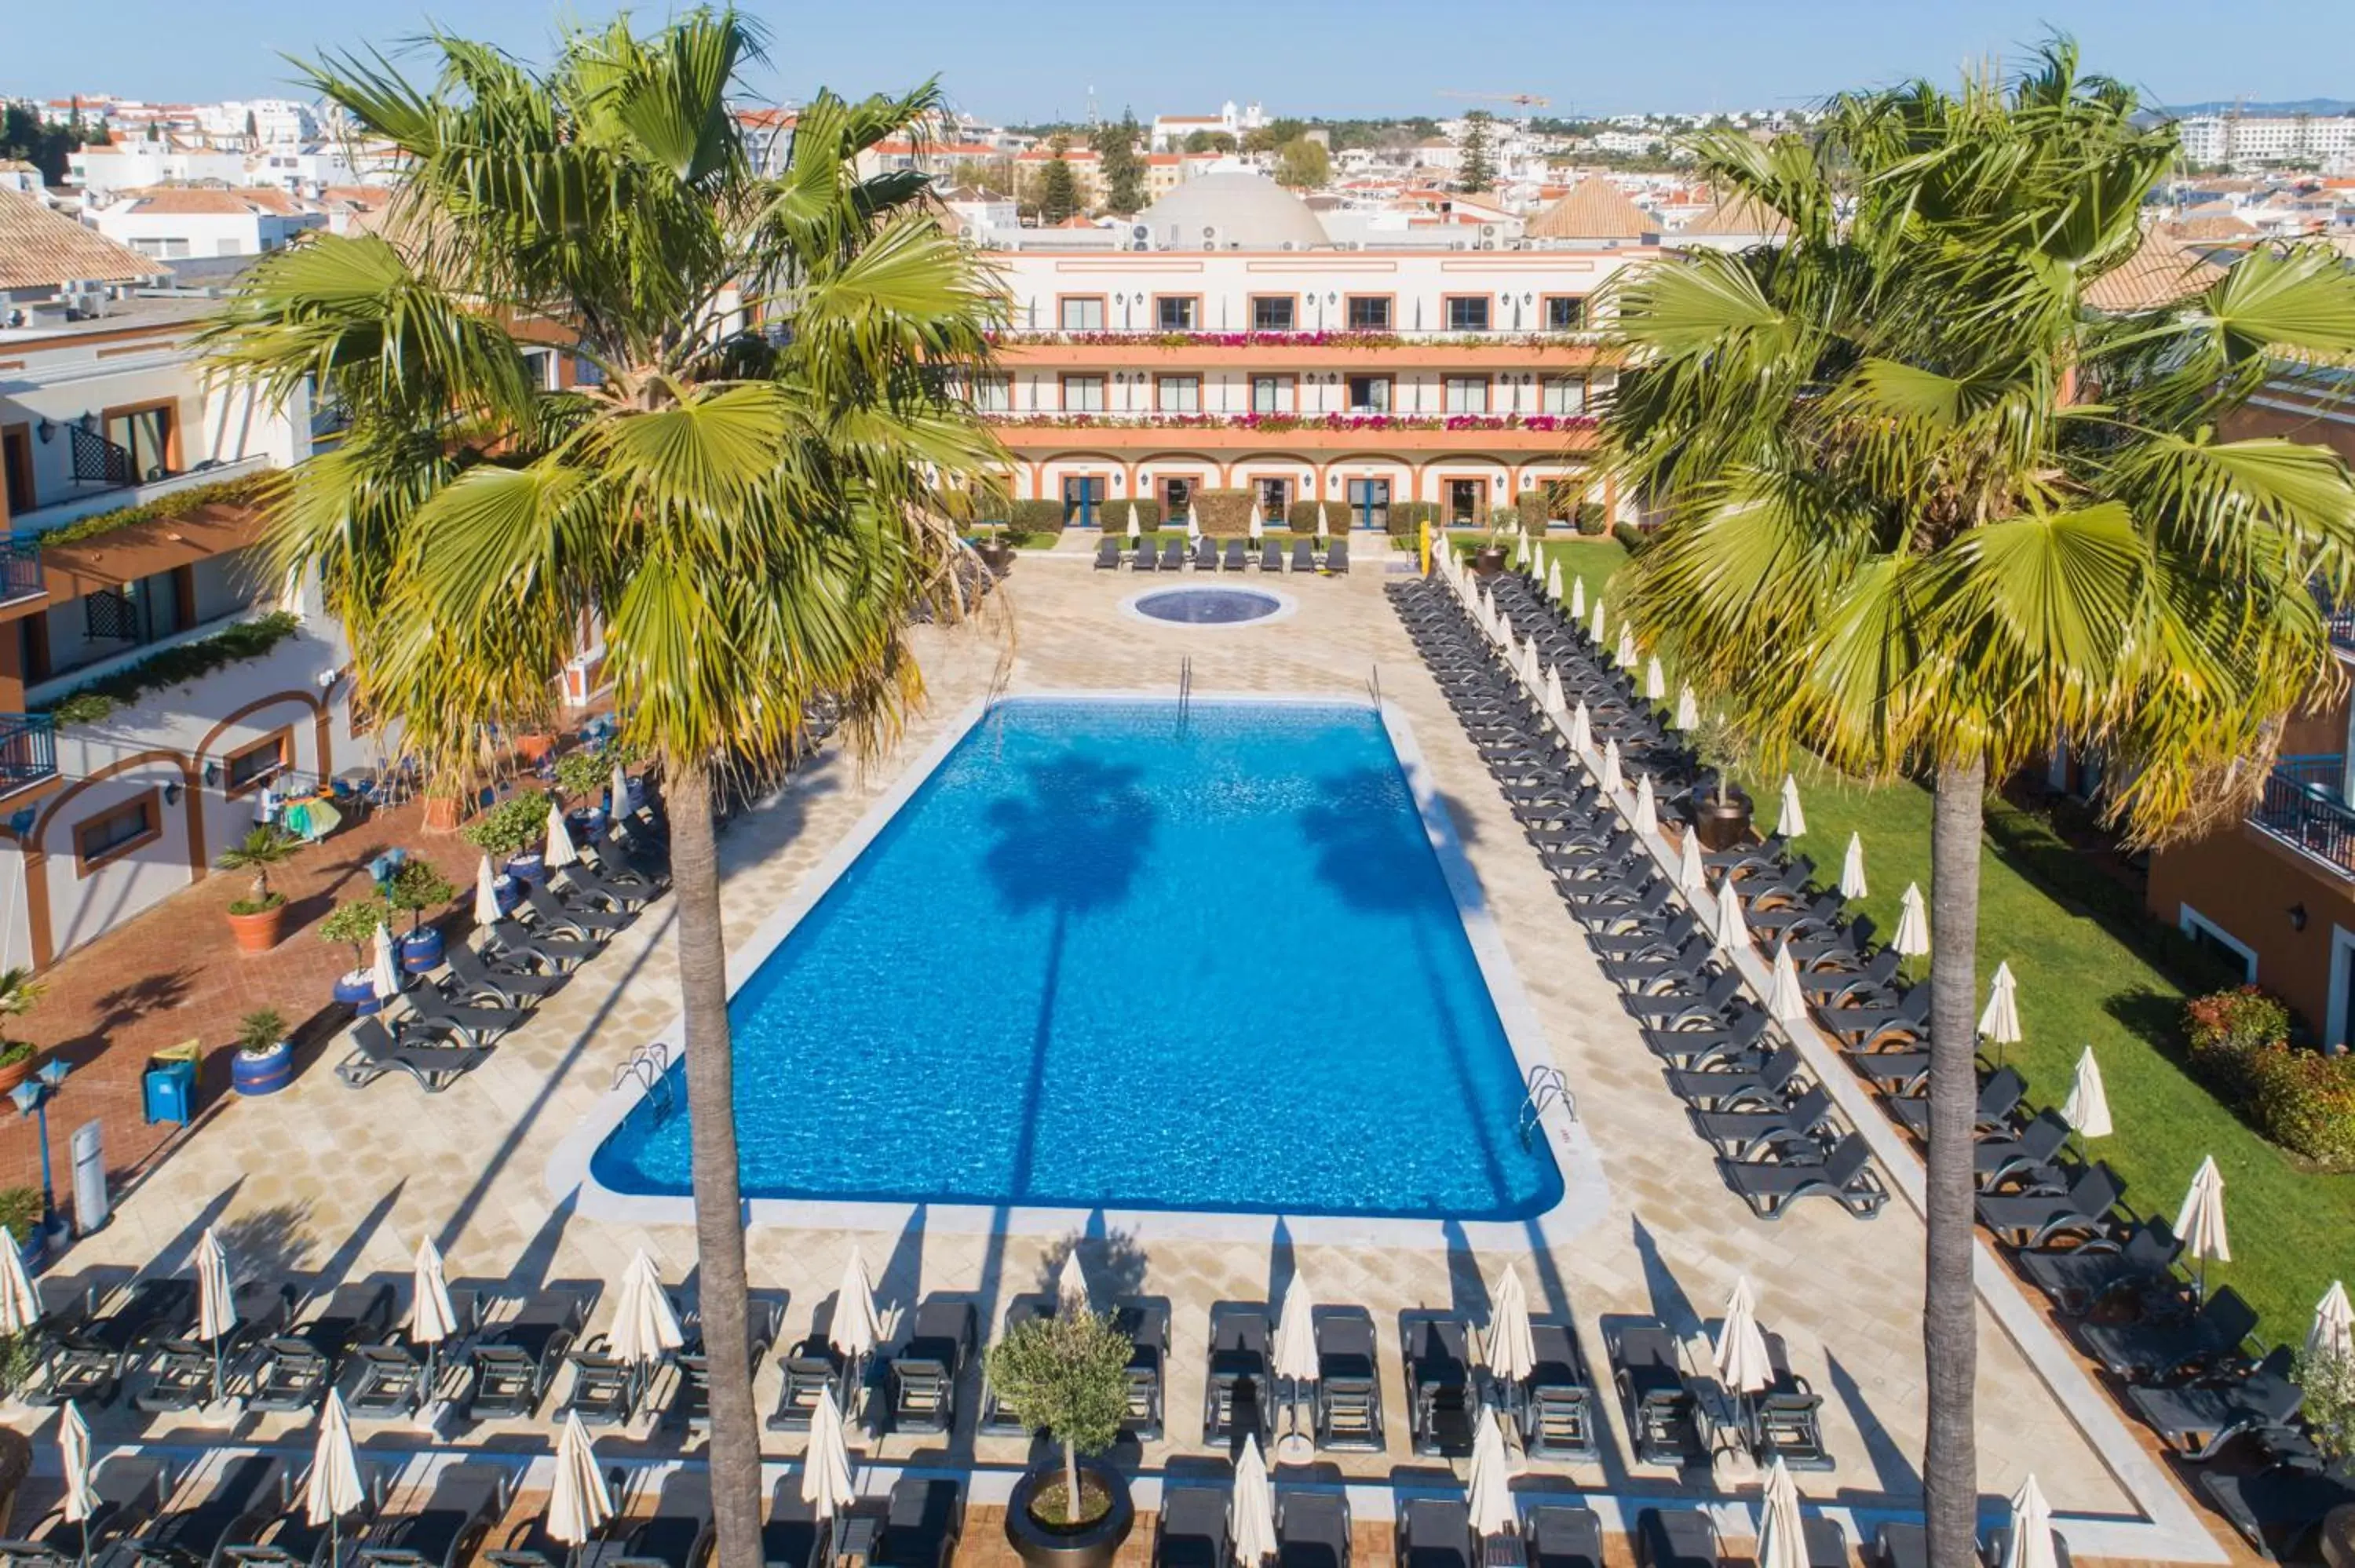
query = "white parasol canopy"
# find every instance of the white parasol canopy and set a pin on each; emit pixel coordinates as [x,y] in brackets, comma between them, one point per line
[856,1328]
[578,1503]
[1730,931]
[1520,552]
[486,896]
[1072,1285]
[334,1488]
[2200,1226]
[1490,1489]
[216,1298]
[1782,1534]
[2029,1543]
[1595,630]
[20,1308]
[826,1465]
[1555,706]
[1851,882]
[1531,678]
[1582,729]
[1135,531]
[1259,523]
[1578,598]
[1627,652]
[1250,1511]
[2333,1333]
[432,1317]
[1911,938]
[73,1452]
[1656,684]
[1688,708]
[1612,780]
[1691,875]
[1785,1000]
[1324,514]
[1790,821]
[1512,1349]
[1742,1365]
[1553,582]
[2000,1019]
[1296,1334]
[1193,529]
[1648,807]
[2087,1108]
[559,852]
[618,785]
[384,975]
[644,1325]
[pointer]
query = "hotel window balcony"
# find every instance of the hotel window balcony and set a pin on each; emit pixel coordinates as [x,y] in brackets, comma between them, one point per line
[2305,806]
[28,750]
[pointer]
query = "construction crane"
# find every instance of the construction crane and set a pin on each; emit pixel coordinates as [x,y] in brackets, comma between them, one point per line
[1523,101]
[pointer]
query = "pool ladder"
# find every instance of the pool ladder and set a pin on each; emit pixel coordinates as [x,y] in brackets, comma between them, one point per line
[1185,691]
[649,1068]
[1545,1086]
[1374,685]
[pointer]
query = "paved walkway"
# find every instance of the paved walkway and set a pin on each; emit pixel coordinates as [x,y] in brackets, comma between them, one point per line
[343,1182]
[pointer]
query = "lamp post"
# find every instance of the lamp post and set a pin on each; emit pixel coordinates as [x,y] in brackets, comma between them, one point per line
[32,1098]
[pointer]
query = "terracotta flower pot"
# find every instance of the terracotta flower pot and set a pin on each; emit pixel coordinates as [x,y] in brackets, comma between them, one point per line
[443,812]
[261,931]
[998,557]
[1488,561]
[1722,824]
[16,1073]
[533,748]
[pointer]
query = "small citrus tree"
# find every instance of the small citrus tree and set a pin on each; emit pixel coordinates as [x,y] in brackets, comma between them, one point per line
[1067,1376]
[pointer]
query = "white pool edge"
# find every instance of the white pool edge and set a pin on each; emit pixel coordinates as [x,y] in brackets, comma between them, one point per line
[1585,1195]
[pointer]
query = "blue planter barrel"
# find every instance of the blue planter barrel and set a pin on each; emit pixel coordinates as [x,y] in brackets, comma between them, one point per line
[33,1251]
[528,867]
[263,1074]
[506,892]
[421,951]
[585,825]
[357,990]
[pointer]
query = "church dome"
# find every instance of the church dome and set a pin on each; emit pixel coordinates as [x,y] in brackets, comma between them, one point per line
[1231,210]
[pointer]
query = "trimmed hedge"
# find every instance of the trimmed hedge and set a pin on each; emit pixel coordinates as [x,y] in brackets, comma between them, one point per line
[238,491]
[1406,514]
[1590,520]
[1300,516]
[2302,1101]
[1222,513]
[1036,518]
[1536,510]
[1631,538]
[175,666]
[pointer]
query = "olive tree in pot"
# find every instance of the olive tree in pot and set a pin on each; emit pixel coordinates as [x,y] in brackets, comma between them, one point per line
[1067,1377]
[354,923]
[415,888]
[259,920]
[1722,816]
[509,832]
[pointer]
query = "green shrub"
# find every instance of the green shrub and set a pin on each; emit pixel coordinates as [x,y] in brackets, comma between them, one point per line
[514,825]
[2305,1101]
[417,887]
[1591,521]
[2227,1029]
[178,504]
[174,667]
[1067,1377]
[1300,516]
[1533,512]
[1223,514]
[260,1031]
[1114,514]
[1037,517]
[354,923]
[2327,1381]
[1631,538]
[20,1211]
[1406,516]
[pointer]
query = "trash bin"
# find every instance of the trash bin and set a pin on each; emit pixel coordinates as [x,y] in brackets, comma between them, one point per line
[170,1085]
[91,1205]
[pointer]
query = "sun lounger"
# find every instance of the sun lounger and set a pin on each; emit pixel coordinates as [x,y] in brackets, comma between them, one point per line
[1337,558]
[921,1521]
[2277,1511]
[376,1051]
[1304,556]
[1206,555]
[87,1363]
[1662,1421]
[443,1531]
[1143,559]
[1312,1530]
[2197,1422]
[561,917]
[1845,1173]
[1145,1320]
[810,1368]
[514,1361]
[793,1536]
[998,1415]
[432,1012]
[679,1534]
[1707,1048]
[1234,560]
[2034,1220]
[1173,556]
[1676,1538]
[1999,1098]
[592,888]
[691,1405]
[1557,1412]
[1748,1133]
[1786,1417]
[511,939]
[921,1379]
[1439,1389]
[477,983]
[1271,557]
[1435,1532]
[1349,1384]
[294,1371]
[606,1389]
[1237,1398]
[1899,1075]
[1735,1083]
[2159,1352]
[623,863]
[184,1374]
[248,1485]
[1862,1028]
[1704,1007]
[2027,1159]
[2075,1279]
[1192,1530]
[1559,1535]
[1107,555]
[129,1490]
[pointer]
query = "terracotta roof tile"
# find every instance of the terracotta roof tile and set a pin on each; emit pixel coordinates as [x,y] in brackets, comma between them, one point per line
[1594,209]
[40,249]
[2158,273]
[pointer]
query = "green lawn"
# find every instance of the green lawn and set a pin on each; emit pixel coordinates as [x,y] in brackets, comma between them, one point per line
[2082,955]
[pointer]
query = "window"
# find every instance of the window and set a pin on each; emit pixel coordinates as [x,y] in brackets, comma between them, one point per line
[16,468]
[254,765]
[2206,934]
[1467,312]
[1369,503]
[1083,394]
[1564,395]
[226,248]
[994,394]
[1272,394]
[1177,496]
[1467,394]
[1370,313]
[1370,394]
[175,248]
[1083,313]
[1275,499]
[114,833]
[1565,313]
[1273,312]
[1175,313]
[1177,394]
[146,438]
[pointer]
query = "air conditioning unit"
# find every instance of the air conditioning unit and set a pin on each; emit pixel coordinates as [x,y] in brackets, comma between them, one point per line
[1287,245]
[1210,237]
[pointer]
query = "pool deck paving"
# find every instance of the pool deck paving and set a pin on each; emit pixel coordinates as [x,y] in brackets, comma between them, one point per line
[326,1181]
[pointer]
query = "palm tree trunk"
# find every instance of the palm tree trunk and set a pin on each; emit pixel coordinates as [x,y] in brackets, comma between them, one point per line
[1949,1302]
[735,1448]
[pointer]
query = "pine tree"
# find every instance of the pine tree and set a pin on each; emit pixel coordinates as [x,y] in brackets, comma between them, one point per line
[1123,171]
[1059,189]
[1476,171]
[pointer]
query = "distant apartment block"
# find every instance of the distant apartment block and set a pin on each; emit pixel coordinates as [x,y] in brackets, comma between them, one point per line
[176,222]
[2253,142]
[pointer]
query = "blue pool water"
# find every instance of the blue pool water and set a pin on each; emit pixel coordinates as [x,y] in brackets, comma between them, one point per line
[1208,606]
[1097,960]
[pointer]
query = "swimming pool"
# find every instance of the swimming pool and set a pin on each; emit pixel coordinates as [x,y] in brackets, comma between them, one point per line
[1205,606]
[1107,957]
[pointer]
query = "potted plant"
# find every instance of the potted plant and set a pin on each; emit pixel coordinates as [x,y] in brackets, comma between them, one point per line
[354,923]
[1721,818]
[417,887]
[21,1213]
[259,920]
[18,991]
[1067,1377]
[1489,559]
[995,552]
[511,832]
[264,1063]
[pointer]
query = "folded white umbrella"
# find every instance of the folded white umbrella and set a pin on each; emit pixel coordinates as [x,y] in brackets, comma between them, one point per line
[1135,530]
[856,1328]
[1296,1334]
[1647,808]
[1627,652]
[578,1503]
[1490,1489]
[1521,553]
[1258,524]
[2000,1019]
[1532,677]
[2199,1225]
[2087,1108]
[1612,780]
[1851,882]
[1250,1511]
[1553,582]
[1911,938]
[2333,1333]
[384,975]
[486,896]
[1742,1364]
[1555,706]
[1730,931]
[1789,821]
[826,1463]
[1691,875]
[1582,729]
[1072,1284]
[1193,529]
[1324,512]
[334,1487]
[2029,1542]
[644,1325]
[20,1308]
[1578,598]
[559,852]
[1688,708]
[73,1454]
[619,787]
[1595,630]
[216,1299]
[1785,1000]
[1512,1349]
[1656,684]
[1782,1533]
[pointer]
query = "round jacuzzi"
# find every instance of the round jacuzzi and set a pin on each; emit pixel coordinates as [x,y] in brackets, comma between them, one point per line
[1208,606]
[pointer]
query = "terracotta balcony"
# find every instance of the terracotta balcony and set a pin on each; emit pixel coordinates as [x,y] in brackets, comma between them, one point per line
[1307,350]
[1452,432]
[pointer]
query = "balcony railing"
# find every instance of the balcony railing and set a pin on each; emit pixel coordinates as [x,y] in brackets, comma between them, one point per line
[57,514]
[28,750]
[2305,806]
[20,569]
[1325,337]
[1277,424]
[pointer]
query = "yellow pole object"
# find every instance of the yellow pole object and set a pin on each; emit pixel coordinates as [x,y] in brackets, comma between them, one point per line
[1423,538]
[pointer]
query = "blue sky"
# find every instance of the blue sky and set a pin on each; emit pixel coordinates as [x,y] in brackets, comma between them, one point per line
[1026,60]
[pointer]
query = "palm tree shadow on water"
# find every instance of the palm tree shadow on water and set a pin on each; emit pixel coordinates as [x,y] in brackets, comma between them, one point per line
[1071,844]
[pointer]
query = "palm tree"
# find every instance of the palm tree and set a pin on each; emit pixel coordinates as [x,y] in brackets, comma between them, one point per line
[1927,512]
[748,489]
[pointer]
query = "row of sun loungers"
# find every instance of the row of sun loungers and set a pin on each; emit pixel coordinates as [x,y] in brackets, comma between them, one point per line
[1206,556]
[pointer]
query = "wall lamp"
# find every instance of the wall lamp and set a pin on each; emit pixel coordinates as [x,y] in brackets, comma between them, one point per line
[2297,917]
[47,429]
[172,793]
[212,774]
